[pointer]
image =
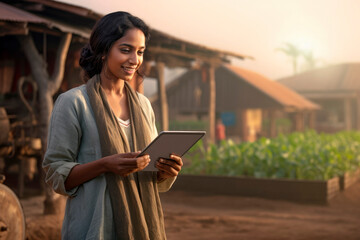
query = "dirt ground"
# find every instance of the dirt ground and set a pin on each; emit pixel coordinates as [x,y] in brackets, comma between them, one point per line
[201,216]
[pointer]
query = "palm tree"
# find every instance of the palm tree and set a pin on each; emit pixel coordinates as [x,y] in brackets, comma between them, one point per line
[310,60]
[293,52]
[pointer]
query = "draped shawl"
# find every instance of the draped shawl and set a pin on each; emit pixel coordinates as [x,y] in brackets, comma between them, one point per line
[135,201]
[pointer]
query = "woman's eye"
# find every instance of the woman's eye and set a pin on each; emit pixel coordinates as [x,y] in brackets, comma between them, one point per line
[125,50]
[140,53]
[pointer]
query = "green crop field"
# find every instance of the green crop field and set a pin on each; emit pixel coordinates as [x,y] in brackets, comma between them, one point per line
[307,155]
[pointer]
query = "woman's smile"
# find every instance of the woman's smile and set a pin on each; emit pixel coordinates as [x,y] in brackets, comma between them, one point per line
[126,55]
[129,70]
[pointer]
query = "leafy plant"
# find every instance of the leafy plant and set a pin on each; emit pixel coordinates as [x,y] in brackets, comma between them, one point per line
[305,155]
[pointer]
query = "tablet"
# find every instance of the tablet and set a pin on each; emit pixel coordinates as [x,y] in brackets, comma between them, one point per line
[170,142]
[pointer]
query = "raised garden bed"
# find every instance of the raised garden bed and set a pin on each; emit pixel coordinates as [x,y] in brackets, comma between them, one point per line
[349,179]
[304,191]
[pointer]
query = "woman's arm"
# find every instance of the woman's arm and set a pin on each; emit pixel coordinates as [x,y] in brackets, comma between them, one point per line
[63,172]
[121,164]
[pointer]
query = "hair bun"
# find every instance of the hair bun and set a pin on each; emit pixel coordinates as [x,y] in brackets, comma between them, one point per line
[87,52]
[89,62]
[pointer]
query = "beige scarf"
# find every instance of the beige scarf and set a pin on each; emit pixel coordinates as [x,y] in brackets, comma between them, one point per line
[134,199]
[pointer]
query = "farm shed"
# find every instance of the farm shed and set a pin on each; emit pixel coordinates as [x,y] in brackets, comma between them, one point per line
[336,89]
[248,97]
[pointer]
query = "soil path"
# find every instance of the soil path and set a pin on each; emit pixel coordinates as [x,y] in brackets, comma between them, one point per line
[201,216]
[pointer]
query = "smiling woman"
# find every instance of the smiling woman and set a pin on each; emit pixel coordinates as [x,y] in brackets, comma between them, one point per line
[125,56]
[96,132]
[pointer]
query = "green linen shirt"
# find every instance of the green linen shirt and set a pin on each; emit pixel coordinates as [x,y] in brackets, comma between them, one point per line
[73,139]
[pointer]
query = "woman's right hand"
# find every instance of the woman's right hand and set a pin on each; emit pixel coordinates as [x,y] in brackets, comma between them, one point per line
[125,163]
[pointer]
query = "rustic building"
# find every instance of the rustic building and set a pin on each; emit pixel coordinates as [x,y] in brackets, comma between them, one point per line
[243,97]
[337,90]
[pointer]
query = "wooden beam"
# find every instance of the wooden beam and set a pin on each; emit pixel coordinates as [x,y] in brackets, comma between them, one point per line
[212,104]
[40,29]
[329,95]
[160,66]
[166,38]
[7,28]
[173,61]
[204,58]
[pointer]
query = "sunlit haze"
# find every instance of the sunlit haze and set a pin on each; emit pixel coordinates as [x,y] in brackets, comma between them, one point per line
[328,28]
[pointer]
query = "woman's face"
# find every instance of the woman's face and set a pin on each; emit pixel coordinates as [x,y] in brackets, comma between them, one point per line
[125,55]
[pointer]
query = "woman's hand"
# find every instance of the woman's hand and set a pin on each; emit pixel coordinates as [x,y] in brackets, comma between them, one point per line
[122,164]
[168,167]
[125,163]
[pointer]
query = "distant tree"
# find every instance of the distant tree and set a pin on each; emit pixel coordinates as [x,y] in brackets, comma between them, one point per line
[293,52]
[310,60]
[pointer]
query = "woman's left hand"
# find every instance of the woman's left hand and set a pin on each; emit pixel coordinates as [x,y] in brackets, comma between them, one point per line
[168,167]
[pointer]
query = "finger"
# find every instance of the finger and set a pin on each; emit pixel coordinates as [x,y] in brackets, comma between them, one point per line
[139,167]
[170,163]
[128,162]
[142,167]
[143,159]
[176,159]
[167,169]
[129,154]
[142,163]
[133,161]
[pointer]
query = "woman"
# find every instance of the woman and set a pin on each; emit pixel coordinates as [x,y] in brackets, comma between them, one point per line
[96,132]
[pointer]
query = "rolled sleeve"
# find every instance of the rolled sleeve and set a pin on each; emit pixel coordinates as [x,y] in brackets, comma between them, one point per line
[58,177]
[63,143]
[165,185]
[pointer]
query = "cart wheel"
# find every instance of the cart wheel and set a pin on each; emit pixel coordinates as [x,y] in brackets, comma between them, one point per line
[12,220]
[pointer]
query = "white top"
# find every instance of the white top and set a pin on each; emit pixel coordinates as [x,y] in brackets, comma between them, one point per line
[126,127]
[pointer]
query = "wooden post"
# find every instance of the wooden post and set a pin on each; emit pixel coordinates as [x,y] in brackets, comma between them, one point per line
[48,86]
[137,81]
[265,128]
[347,114]
[298,121]
[312,119]
[212,103]
[358,111]
[272,125]
[301,122]
[244,125]
[160,66]
[136,84]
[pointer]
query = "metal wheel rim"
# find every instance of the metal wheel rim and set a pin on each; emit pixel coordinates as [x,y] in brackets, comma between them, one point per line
[11,215]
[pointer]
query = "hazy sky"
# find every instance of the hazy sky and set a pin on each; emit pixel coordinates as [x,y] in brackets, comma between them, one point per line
[330,28]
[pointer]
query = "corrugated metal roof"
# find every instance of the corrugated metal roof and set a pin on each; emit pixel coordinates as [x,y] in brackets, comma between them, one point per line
[67,7]
[159,36]
[283,95]
[13,14]
[342,77]
[64,27]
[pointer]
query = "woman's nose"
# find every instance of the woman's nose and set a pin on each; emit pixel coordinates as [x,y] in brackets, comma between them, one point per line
[134,58]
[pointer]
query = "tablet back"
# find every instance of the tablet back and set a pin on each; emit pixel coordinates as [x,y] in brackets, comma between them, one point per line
[170,142]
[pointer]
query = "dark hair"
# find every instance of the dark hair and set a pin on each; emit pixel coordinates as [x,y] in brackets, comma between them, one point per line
[107,30]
